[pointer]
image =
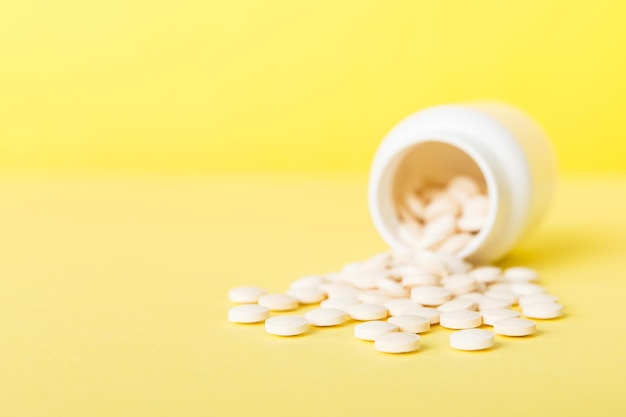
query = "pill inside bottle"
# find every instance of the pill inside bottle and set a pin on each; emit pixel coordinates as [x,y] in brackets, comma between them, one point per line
[468,180]
[441,198]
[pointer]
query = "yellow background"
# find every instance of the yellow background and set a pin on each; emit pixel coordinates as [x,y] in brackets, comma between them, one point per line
[113,303]
[292,85]
[193,116]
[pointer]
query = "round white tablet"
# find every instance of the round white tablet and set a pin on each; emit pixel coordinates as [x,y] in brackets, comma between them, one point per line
[454,264]
[488,303]
[493,315]
[367,311]
[391,287]
[340,303]
[514,327]
[430,295]
[371,329]
[526,288]
[326,317]
[248,313]
[486,274]
[339,290]
[537,298]
[460,319]
[422,278]
[311,281]
[397,306]
[278,302]
[286,325]
[472,339]
[520,274]
[509,297]
[476,297]
[307,295]
[457,304]
[376,262]
[397,342]
[374,297]
[432,314]
[459,283]
[431,261]
[410,323]
[543,310]
[246,294]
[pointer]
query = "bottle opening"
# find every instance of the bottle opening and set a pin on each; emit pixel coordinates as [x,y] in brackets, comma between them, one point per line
[443,198]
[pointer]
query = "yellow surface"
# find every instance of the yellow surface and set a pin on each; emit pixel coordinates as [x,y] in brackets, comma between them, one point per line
[113,303]
[290,85]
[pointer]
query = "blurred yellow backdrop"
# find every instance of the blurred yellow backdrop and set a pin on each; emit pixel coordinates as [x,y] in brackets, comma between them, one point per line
[292,85]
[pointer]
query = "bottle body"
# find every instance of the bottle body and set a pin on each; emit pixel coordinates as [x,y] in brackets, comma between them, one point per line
[494,143]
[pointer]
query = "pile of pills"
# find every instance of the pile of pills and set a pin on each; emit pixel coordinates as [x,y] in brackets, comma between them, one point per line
[443,218]
[393,298]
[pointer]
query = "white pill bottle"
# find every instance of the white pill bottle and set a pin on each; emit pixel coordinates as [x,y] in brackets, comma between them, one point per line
[496,144]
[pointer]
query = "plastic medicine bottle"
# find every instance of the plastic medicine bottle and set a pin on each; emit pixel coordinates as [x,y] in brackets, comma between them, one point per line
[496,144]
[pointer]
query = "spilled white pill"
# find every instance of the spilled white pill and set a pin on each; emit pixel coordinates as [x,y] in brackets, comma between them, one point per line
[472,339]
[340,303]
[403,270]
[365,281]
[369,330]
[432,314]
[397,342]
[476,297]
[286,325]
[248,313]
[407,285]
[410,323]
[376,262]
[278,302]
[460,319]
[374,297]
[520,274]
[332,278]
[307,295]
[245,294]
[543,310]
[455,242]
[537,298]
[507,298]
[457,304]
[424,278]
[526,288]
[493,315]
[486,274]
[455,265]
[339,290]
[431,262]
[391,287]
[311,281]
[488,303]
[459,283]
[430,295]
[324,317]
[397,306]
[367,311]
[514,327]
